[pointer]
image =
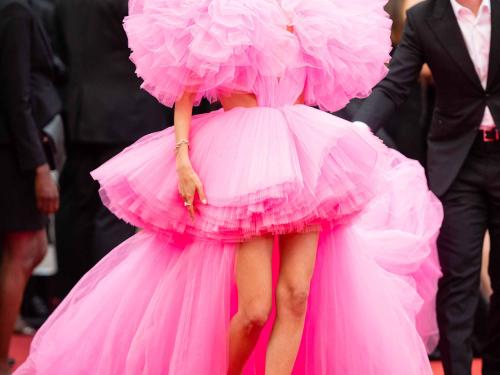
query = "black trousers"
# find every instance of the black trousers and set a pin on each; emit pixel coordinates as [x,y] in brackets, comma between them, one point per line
[471,206]
[85,230]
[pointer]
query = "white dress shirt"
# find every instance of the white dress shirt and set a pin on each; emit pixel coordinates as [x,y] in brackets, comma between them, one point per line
[476,31]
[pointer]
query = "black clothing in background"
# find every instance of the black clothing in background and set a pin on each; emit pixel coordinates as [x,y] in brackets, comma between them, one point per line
[406,130]
[85,230]
[104,102]
[105,111]
[45,11]
[28,101]
[432,35]
[472,204]
[463,170]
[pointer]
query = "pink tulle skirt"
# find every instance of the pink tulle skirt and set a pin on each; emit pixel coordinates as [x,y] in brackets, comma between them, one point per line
[161,302]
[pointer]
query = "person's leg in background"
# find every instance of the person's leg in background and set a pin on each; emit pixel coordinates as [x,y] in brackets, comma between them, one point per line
[20,253]
[460,246]
[491,354]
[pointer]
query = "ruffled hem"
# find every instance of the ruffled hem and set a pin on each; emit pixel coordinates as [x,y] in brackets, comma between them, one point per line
[284,177]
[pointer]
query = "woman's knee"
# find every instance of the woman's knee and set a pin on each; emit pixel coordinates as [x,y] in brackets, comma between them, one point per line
[25,250]
[292,297]
[256,313]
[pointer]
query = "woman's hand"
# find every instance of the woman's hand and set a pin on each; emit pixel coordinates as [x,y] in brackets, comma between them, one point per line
[46,191]
[189,182]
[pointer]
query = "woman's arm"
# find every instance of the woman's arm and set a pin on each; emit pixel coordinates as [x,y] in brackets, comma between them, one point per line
[182,120]
[189,182]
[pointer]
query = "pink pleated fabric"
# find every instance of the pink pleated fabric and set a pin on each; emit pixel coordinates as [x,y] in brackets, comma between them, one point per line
[264,172]
[161,302]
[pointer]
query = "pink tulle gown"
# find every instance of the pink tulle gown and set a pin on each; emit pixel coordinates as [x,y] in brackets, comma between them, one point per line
[161,302]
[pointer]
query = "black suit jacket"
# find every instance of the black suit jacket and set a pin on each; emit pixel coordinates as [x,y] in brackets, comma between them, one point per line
[28,99]
[104,102]
[432,35]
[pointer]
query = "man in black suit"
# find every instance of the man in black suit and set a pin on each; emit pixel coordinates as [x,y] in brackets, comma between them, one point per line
[28,102]
[105,111]
[460,40]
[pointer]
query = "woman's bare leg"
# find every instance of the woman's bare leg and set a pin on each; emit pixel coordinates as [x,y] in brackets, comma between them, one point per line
[21,252]
[254,281]
[298,257]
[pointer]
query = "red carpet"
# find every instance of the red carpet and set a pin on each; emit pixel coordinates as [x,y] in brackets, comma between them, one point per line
[438,369]
[20,346]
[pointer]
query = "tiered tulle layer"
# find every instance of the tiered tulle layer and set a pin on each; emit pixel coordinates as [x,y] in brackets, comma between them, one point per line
[154,306]
[161,304]
[265,170]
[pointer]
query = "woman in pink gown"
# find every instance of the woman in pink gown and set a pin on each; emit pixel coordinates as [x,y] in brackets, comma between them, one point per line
[275,238]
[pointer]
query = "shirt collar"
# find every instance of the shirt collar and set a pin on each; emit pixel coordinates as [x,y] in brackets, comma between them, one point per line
[458,8]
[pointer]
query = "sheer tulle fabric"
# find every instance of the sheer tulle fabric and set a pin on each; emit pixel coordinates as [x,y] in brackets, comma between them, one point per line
[263,170]
[150,307]
[345,47]
[163,300]
[208,46]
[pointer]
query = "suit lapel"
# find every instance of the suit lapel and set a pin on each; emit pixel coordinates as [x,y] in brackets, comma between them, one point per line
[445,26]
[494,64]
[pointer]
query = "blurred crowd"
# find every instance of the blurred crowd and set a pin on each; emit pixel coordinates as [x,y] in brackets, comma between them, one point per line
[83,106]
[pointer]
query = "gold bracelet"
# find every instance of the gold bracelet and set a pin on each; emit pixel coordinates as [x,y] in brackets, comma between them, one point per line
[180,143]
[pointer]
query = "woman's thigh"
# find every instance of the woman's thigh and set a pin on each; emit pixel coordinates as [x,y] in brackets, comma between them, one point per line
[298,257]
[254,273]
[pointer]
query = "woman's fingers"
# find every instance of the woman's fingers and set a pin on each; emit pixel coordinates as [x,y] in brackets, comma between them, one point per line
[188,198]
[189,203]
[201,193]
[188,188]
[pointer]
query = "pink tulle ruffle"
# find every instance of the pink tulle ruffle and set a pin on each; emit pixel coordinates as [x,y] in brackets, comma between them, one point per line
[163,299]
[345,46]
[169,303]
[263,172]
[206,46]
